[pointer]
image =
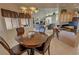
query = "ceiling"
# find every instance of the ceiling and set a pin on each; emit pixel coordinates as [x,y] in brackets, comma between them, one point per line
[48,5]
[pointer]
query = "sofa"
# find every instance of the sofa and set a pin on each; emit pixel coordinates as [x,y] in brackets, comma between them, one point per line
[71,26]
[68,38]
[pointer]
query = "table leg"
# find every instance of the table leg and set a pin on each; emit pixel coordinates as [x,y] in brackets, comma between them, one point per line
[57,34]
[53,33]
[31,51]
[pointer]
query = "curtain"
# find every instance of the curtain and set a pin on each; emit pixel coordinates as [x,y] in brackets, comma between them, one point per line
[13,14]
[8,13]
[22,15]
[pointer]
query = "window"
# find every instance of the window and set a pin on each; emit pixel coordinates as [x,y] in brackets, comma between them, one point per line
[15,22]
[27,22]
[24,22]
[11,18]
[8,23]
[11,23]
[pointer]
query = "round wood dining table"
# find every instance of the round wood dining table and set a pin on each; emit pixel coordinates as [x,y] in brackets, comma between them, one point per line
[33,41]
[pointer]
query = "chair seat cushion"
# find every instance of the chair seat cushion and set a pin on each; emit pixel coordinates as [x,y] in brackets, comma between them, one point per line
[19,49]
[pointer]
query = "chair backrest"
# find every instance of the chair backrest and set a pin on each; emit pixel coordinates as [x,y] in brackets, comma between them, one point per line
[5,45]
[47,43]
[20,31]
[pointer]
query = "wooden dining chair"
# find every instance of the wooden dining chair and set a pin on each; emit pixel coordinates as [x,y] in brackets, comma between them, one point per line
[45,46]
[16,50]
[20,31]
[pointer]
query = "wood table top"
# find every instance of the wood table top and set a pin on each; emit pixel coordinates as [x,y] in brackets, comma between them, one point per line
[34,41]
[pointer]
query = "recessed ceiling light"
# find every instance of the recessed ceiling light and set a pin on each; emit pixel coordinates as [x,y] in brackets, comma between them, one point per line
[23,8]
[32,8]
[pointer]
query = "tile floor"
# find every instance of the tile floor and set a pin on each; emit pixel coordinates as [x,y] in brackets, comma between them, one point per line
[57,47]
